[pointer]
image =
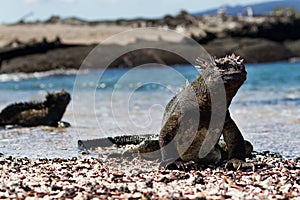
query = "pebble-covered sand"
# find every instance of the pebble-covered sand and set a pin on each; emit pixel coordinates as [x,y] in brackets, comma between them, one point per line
[135,178]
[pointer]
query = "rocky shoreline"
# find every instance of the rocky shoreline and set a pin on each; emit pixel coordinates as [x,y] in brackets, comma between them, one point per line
[123,178]
[256,38]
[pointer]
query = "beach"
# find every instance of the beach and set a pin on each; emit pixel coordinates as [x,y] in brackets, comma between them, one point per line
[122,178]
[122,98]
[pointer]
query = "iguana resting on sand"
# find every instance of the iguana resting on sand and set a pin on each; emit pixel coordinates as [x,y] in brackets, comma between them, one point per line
[187,120]
[47,113]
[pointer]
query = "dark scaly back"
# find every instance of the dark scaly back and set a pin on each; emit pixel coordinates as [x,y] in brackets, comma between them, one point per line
[16,108]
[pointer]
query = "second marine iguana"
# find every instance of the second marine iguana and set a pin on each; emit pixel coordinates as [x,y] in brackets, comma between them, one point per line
[48,112]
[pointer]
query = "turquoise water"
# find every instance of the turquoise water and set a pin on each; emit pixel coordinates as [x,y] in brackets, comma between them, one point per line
[123,101]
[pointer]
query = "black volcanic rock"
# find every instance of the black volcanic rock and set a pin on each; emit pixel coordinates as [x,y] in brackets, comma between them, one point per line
[262,50]
[293,46]
[273,28]
[254,50]
[257,39]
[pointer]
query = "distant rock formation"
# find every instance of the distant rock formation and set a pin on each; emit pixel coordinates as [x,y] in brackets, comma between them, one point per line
[256,38]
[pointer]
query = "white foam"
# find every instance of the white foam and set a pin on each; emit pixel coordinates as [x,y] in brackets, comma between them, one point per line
[36,75]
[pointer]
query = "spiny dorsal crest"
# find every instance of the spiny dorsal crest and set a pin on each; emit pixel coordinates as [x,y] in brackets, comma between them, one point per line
[221,63]
[229,62]
[202,64]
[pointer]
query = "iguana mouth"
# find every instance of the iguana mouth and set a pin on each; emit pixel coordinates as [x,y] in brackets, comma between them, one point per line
[62,96]
[234,76]
[66,97]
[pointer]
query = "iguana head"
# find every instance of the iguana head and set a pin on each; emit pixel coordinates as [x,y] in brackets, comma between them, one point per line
[58,99]
[229,69]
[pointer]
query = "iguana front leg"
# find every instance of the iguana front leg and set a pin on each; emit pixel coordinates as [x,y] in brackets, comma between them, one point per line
[167,146]
[235,143]
[234,139]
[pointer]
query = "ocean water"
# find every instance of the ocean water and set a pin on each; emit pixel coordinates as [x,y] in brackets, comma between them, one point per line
[131,101]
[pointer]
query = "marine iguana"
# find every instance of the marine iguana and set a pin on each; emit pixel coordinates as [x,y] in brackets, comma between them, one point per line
[29,114]
[187,120]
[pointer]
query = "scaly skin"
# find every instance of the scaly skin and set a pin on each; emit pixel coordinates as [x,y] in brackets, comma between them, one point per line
[149,149]
[47,113]
[186,119]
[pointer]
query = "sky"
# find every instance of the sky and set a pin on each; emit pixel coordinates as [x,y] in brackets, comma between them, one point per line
[13,10]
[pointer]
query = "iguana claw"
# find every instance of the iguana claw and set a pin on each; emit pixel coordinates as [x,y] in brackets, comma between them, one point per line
[236,164]
[179,165]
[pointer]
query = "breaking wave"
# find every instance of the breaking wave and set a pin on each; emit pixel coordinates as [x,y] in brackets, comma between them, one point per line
[37,75]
